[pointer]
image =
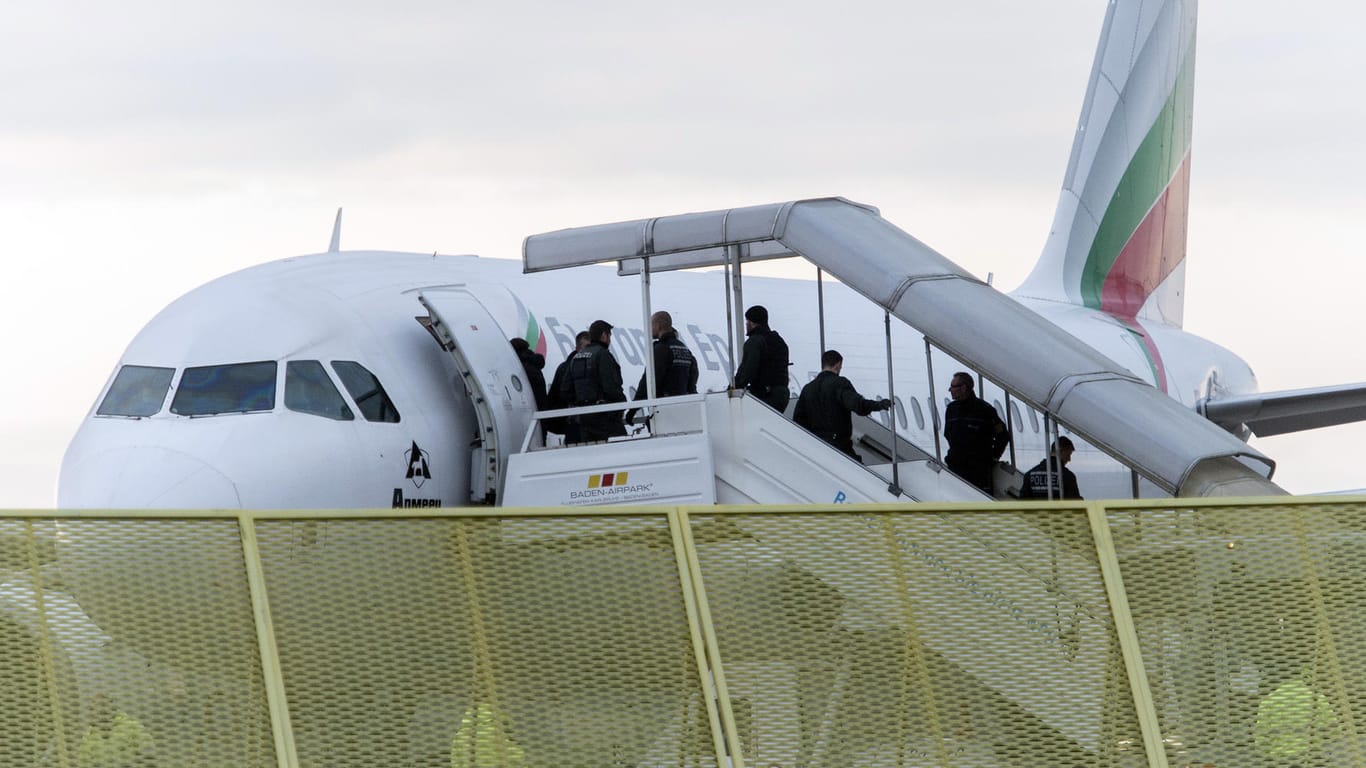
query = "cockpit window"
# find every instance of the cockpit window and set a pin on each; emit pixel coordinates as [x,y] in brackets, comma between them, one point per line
[309,390]
[138,390]
[366,390]
[238,388]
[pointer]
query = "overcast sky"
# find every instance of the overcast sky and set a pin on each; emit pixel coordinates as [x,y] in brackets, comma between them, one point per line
[148,147]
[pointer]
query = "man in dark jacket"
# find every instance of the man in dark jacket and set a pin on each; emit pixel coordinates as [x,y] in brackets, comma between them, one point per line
[594,377]
[977,436]
[763,362]
[1037,482]
[675,367]
[532,363]
[826,402]
[555,401]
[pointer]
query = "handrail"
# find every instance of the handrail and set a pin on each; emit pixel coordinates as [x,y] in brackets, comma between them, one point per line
[625,405]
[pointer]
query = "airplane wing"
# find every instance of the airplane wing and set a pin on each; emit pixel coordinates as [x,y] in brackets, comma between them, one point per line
[1292,410]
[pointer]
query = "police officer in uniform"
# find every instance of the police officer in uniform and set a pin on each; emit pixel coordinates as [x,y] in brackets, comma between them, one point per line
[1037,480]
[554,400]
[675,367]
[977,436]
[763,363]
[826,402]
[532,364]
[594,377]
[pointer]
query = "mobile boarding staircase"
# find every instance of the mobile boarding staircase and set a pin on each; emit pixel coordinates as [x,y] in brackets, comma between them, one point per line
[726,449]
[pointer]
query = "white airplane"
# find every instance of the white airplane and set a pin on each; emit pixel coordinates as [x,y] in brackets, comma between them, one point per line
[315,381]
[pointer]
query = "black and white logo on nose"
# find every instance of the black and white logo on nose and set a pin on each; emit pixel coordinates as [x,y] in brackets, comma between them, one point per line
[418,471]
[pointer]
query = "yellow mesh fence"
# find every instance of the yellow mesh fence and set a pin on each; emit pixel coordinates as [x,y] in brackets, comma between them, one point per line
[905,638]
[129,642]
[1252,626]
[537,641]
[787,637]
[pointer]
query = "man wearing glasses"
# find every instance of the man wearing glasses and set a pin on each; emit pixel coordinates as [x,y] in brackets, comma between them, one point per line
[977,436]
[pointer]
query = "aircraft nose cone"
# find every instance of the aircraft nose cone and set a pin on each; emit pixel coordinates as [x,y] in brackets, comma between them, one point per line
[145,478]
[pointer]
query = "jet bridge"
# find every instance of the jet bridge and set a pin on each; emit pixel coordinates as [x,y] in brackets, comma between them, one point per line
[1047,368]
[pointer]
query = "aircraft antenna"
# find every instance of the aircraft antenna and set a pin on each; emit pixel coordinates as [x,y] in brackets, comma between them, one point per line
[335,245]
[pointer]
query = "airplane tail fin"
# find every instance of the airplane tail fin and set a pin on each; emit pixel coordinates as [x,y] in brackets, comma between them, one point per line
[1118,242]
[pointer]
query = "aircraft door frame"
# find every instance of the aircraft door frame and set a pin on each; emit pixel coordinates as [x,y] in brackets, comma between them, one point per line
[494,381]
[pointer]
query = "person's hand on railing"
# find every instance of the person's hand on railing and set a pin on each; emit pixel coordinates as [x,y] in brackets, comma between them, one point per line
[636,427]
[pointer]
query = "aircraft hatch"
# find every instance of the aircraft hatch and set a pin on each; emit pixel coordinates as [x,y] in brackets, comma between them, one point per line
[494,382]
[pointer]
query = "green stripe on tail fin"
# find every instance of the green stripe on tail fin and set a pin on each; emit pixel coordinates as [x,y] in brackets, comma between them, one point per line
[1118,241]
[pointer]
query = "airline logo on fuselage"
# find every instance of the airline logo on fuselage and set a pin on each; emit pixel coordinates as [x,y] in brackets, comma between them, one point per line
[419,471]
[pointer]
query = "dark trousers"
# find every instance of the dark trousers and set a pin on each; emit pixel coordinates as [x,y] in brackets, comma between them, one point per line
[594,427]
[774,396]
[975,471]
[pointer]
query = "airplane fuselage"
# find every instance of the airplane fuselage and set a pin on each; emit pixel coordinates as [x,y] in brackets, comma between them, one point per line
[361,307]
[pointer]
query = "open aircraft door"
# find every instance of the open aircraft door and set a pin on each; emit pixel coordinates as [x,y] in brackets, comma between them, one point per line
[494,380]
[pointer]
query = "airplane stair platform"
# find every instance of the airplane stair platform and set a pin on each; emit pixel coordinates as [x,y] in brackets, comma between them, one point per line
[725,448]
[1158,438]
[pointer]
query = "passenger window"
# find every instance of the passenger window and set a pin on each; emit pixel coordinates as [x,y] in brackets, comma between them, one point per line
[138,390]
[919,415]
[1033,421]
[1019,420]
[309,390]
[365,389]
[214,389]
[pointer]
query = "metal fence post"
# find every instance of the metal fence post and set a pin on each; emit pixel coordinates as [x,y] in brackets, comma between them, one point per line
[1144,706]
[280,726]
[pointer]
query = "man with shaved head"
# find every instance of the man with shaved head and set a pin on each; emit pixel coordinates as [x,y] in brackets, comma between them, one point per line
[675,367]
